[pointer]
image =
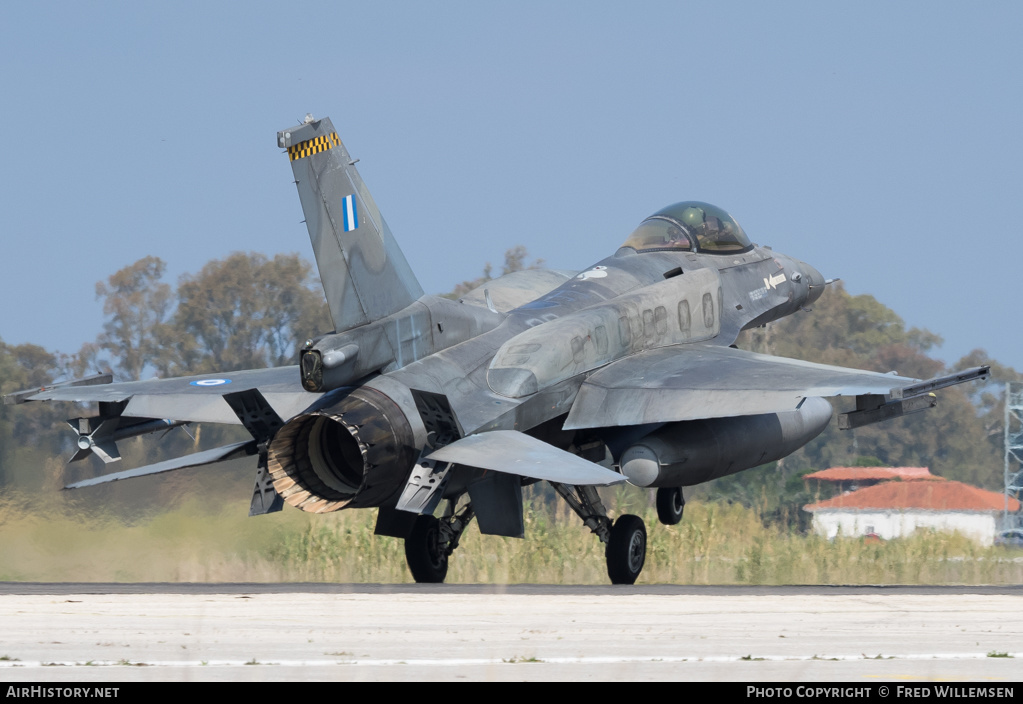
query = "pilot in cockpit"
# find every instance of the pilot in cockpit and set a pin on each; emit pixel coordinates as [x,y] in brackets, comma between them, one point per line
[675,235]
[687,226]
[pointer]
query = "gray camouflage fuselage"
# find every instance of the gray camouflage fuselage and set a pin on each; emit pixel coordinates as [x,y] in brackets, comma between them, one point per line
[522,369]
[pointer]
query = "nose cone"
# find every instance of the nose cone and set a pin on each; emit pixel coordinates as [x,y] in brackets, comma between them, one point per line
[815,282]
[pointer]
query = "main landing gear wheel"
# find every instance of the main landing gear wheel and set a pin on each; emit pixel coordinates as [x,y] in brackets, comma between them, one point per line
[427,557]
[626,551]
[670,503]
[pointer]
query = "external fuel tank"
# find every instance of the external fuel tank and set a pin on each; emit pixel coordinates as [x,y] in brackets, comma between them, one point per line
[691,452]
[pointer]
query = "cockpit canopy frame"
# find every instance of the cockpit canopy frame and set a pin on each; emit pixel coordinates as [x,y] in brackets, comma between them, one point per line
[690,226]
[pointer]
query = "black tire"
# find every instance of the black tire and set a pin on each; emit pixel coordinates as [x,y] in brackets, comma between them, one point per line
[626,551]
[670,504]
[426,559]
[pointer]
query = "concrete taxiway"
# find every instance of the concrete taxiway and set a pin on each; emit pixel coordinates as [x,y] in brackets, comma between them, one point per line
[80,633]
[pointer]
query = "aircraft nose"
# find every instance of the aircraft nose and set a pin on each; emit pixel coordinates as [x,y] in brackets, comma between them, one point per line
[815,282]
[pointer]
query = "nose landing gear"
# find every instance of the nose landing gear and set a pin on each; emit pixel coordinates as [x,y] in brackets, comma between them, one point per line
[670,503]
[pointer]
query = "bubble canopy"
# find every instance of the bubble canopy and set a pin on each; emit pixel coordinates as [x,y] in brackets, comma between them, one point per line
[689,226]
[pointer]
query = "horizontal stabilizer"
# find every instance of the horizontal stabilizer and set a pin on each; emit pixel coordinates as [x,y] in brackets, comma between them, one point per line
[513,452]
[198,459]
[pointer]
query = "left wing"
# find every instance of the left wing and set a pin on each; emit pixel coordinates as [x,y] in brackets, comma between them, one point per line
[198,399]
[689,382]
[257,398]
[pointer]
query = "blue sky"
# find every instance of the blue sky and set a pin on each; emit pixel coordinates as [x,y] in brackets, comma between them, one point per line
[878,141]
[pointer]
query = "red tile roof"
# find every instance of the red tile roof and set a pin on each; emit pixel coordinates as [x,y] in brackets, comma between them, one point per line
[848,474]
[928,496]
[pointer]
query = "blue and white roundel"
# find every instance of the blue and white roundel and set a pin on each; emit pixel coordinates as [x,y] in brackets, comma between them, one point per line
[210,382]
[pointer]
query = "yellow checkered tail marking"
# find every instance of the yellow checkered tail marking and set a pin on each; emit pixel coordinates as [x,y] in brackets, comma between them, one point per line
[313,146]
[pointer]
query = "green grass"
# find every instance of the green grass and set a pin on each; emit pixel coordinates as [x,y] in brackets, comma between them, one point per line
[716,543]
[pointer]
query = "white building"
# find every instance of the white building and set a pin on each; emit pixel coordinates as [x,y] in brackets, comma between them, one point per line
[895,509]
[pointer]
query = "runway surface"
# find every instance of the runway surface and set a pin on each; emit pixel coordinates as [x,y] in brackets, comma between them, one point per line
[183,632]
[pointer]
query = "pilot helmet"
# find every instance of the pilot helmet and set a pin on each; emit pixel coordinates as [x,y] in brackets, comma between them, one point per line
[692,216]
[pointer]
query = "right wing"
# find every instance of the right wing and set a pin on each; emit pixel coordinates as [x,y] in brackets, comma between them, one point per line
[701,380]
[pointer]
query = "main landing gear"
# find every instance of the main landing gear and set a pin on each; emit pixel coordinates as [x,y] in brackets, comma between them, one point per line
[625,541]
[626,550]
[432,540]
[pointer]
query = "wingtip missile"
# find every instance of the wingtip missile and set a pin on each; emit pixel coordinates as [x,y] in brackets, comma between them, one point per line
[903,400]
[16,397]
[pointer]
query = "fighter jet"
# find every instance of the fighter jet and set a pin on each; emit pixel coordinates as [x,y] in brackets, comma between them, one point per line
[626,371]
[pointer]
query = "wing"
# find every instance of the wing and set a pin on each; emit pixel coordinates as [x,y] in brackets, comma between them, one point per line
[190,398]
[688,382]
[255,398]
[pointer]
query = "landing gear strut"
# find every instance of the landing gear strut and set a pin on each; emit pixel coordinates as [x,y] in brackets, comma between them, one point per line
[625,540]
[432,540]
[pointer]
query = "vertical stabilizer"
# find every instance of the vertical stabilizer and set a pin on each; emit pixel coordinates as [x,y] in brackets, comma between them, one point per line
[365,275]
